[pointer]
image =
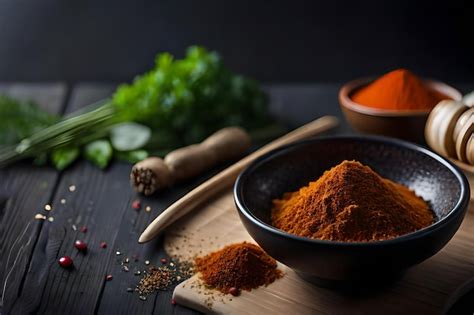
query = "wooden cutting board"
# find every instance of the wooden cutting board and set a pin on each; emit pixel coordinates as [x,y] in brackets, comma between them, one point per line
[425,289]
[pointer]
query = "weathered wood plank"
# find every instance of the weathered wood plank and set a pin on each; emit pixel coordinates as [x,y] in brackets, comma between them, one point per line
[102,202]
[24,190]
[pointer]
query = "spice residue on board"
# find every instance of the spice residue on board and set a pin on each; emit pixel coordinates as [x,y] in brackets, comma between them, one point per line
[236,267]
[351,203]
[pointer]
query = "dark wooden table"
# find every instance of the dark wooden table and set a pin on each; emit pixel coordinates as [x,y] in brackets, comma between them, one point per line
[32,281]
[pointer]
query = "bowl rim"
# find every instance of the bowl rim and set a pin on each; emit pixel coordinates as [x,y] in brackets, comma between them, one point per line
[348,88]
[460,206]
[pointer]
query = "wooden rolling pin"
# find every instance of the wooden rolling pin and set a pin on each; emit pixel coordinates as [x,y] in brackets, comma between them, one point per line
[227,177]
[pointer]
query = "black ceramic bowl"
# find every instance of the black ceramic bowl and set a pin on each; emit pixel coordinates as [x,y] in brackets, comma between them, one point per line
[344,264]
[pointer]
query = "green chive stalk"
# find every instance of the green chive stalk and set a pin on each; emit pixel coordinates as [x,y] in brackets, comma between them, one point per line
[75,130]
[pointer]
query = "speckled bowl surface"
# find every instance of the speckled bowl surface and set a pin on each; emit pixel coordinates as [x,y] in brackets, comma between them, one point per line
[338,264]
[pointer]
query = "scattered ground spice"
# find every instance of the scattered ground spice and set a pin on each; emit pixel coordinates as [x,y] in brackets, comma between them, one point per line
[157,278]
[351,203]
[241,266]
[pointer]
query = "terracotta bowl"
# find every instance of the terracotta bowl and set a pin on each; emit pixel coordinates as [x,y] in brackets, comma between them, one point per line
[408,125]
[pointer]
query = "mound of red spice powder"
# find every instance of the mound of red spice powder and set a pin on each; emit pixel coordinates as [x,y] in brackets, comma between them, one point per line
[398,90]
[243,266]
[351,203]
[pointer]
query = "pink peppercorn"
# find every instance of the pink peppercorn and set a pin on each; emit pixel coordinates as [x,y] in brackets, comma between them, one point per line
[80,245]
[65,261]
[136,204]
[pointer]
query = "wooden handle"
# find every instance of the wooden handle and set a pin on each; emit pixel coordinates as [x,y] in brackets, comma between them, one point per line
[227,177]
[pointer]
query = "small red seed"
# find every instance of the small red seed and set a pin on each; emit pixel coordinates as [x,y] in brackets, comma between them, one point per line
[108,277]
[80,245]
[173,301]
[103,244]
[234,291]
[136,204]
[84,229]
[65,261]
[164,260]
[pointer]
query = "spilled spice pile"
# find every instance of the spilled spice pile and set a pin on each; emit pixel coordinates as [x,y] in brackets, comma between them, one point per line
[236,267]
[351,203]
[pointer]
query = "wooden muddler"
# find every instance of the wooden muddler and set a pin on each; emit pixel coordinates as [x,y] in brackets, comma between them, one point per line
[227,177]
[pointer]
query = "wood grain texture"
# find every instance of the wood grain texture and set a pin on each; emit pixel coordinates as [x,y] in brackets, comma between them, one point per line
[425,289]
[102,202]
[24,190]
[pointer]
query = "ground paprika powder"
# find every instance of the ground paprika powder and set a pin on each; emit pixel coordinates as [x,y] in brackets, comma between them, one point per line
[398,90]
[351,203]
[241,266]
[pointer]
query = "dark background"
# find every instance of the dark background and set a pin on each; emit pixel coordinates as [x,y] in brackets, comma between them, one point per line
[273,41]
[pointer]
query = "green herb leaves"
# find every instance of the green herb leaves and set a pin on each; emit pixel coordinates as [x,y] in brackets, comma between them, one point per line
[64,156]
[178,102]
[20,119]
[190,98]
[129,136]
[99,152]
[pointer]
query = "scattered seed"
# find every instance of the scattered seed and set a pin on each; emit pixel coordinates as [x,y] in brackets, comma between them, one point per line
[137,273]
[171,264]
[130,290]
[72,188]
[103,244]
[48,207]
[136,204]
[118,253]
[40,216]
[63,201]
[173,301]
[125,268]
[164,260]
[148,209]
[50,219]
[74,227]
[65,262]
[108,277]
[147,262]
[80,245]
[143,298]
[126,260]
[84,229]
[234,291]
